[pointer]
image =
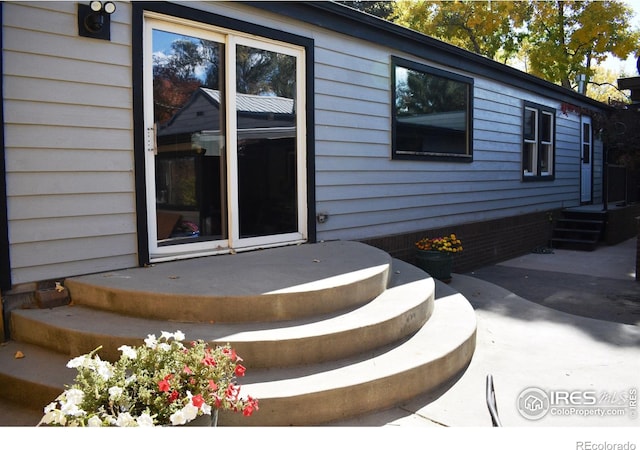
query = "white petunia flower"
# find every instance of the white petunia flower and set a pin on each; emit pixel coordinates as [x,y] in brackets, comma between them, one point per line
[179,336]
[94,421]
[166,335]
[50,407]
[115,392]
[79,361]
[103,368]
[71,409]
[144,420]
[73,396]
[164,346]
[190,412]
[151,341]
[125,420]
[177,418]
[127,351]
[54,416]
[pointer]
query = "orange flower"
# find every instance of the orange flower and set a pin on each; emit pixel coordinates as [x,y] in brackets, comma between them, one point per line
[447,244]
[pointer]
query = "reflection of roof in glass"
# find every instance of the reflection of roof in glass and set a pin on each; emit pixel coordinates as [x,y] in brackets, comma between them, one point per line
[454,120]
[256,103]
[258,116]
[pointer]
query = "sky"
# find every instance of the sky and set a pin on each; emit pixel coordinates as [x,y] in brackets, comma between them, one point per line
[627,66]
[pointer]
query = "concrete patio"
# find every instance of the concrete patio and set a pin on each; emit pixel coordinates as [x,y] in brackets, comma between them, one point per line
[538,328]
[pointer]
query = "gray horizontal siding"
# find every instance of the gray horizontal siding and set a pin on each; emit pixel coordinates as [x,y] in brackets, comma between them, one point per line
[66,205]
[366,194]
[68,143]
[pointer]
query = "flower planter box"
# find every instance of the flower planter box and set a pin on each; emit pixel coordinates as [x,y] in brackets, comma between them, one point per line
[435,263]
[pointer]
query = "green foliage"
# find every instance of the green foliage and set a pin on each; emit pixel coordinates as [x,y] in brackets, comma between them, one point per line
[568,37]
[558,40]
[487,28]
[382,9]
[422,93]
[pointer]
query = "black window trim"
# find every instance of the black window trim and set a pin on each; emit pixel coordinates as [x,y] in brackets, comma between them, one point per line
[541,109]
[5,258]
[427,156]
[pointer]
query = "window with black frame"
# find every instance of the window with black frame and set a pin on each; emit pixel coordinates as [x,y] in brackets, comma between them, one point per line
[432,113]
[538,146]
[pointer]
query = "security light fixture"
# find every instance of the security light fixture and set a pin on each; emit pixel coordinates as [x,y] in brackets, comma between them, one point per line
[94,20]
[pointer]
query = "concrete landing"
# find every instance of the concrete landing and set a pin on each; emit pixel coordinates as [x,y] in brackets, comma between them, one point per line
[258,286]
[541,337]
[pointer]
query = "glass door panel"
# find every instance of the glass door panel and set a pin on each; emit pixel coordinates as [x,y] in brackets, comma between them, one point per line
[266,142]
[190,152]
[225,146]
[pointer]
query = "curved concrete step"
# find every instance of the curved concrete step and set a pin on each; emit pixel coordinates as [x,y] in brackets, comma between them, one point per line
[346,358]
[337,390]
[437,353]
[396,313]
[279,284]
[34,380]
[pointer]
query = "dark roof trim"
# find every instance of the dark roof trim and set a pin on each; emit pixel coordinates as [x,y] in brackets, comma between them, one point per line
[342,19]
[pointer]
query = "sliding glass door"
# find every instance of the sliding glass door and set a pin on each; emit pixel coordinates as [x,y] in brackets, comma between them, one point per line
[225,156]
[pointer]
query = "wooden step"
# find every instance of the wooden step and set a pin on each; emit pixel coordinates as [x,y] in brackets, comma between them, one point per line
[579,230]
[575,244]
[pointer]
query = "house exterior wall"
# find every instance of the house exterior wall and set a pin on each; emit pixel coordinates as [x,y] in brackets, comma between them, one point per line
[68,143]
[365,194]
[598,170]
[70,158]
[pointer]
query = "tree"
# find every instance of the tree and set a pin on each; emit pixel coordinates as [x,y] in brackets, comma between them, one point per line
[603,86]
[420,93]
[382,9]
[568,37]
[558,40]
[492,29]
[174,78]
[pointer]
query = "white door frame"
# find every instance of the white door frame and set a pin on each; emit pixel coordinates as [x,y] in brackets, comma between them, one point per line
[234,242]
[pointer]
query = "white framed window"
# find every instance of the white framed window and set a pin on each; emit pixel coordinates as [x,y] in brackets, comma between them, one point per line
[538,142]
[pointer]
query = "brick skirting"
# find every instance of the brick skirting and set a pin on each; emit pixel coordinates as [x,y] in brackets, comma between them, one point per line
[484,243]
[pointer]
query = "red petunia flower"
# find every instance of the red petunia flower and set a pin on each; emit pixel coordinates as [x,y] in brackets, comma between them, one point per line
[197,400]
[209,361]
[250,407]
[163,385]
[240,370]
[232,392]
